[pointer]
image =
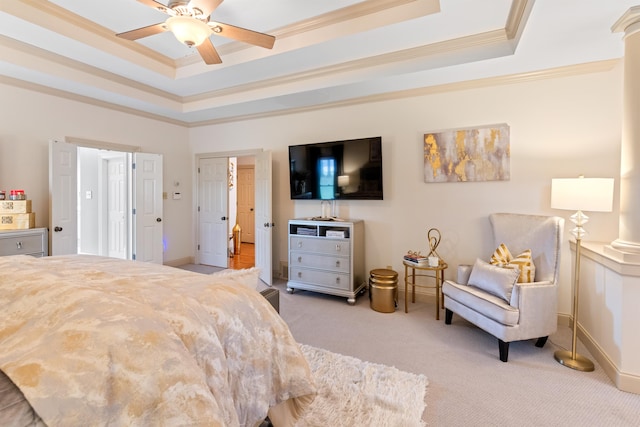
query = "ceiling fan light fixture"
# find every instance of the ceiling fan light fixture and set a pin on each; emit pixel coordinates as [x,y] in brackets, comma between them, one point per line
[189,31]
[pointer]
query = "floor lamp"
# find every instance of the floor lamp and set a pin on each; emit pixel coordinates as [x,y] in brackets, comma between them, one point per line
[579,194]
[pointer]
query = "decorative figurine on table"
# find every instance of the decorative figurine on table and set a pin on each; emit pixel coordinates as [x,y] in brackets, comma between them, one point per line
[433,236]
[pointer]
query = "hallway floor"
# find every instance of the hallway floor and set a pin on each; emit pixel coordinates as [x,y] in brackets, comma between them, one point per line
[245,259]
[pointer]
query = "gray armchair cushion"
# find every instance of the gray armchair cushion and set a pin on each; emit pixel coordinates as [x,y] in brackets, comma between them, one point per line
[498,281]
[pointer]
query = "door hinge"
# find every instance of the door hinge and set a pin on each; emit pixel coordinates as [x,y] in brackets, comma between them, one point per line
[133,211]
[133,257]
[198,208]
[198,247]
[133,165]
[198,170]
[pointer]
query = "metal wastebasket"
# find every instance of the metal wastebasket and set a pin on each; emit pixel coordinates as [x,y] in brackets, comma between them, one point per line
[383,290]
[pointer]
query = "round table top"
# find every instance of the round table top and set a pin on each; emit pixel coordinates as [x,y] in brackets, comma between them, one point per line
[442,266]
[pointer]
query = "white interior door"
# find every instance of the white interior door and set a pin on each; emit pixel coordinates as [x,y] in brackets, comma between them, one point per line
[117,240]
[264,221]
[63,198]
[147,205]
[213,212]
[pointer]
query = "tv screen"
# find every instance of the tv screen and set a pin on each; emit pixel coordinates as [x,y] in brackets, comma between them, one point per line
[349,169]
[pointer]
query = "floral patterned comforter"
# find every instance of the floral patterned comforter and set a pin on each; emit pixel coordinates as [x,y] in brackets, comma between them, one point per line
[100,341]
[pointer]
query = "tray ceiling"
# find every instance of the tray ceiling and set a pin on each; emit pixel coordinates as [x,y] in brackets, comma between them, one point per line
[327,53]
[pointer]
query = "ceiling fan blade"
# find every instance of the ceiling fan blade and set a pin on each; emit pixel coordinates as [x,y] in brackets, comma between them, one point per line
[208,52]
[143,32]
[206,6]
[154,4]
[242,34]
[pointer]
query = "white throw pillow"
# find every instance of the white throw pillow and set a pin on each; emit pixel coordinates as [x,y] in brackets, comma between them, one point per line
[248,277]
[495,280]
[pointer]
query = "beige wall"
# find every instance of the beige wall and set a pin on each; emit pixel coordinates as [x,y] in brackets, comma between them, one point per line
[560,127]
[28,120]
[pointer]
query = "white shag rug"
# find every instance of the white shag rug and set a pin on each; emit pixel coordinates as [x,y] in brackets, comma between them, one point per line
[352,393]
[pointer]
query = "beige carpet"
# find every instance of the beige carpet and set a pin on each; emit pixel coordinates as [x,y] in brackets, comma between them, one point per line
[352,392]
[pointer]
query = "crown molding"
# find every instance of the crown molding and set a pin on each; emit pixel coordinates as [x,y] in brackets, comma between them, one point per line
[552,73]
[48,15]
[59,93]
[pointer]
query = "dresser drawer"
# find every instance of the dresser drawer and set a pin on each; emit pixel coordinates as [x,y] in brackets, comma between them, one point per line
[20,245]
[318,277]
[321,245]
[322,262]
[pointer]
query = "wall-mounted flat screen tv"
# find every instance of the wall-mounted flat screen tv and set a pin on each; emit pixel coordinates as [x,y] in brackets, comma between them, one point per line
[349,169]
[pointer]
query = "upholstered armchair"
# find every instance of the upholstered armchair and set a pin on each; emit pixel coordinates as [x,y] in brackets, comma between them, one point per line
[494,295]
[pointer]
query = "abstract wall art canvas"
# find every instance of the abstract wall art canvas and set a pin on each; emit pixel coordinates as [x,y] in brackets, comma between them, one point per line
[467,155]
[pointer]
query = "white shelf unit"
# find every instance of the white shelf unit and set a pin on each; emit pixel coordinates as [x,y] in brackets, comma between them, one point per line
[327,257]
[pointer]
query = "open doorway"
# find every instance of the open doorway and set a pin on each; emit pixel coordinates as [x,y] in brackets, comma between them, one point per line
[105,201]
[212,216]
[104,215]
[242,212]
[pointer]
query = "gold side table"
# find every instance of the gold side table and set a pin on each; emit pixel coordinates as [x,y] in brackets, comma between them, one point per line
[423,271]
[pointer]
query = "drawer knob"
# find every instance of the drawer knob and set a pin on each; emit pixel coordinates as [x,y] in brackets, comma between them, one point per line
[338,263]
[337,280]
[19,245]
[299,274]
[299,259]
[299,244]
[338,247]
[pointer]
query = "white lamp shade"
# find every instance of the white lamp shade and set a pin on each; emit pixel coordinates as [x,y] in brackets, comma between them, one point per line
[189,31]
[343,181]
[582,194]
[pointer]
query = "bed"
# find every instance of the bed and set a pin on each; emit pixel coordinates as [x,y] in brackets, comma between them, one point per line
[87,340]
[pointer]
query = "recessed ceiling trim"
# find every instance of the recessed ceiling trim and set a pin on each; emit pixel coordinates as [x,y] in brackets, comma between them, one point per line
[553,73]
[517,16]
[59,93]
[449,47]
[35,58]
[558,72]
[59,20]
[346,19]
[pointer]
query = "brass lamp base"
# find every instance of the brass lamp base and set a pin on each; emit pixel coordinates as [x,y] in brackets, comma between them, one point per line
[580,363]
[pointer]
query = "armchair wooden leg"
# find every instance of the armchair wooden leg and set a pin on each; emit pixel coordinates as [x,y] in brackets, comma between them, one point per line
[541,341]
[504,350]
[448,315]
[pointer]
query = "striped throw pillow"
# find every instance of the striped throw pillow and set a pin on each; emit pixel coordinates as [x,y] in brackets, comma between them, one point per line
[524,262]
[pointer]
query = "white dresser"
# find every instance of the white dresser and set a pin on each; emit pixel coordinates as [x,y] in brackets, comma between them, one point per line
[327,257]
[33,241]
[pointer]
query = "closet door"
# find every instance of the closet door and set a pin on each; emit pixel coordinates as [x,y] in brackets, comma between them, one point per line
[147,207]
[63,193]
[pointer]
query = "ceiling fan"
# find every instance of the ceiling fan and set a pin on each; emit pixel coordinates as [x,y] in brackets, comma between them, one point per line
[190,23]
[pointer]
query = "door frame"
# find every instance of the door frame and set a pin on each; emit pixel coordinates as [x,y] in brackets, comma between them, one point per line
[131,151]
[196,201]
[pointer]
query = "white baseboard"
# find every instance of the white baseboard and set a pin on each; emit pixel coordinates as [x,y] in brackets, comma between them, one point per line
[623,381]
[179,262]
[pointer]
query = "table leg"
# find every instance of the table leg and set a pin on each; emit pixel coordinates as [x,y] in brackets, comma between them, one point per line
[406,289]
[437,276]
[413,285]
[441,283]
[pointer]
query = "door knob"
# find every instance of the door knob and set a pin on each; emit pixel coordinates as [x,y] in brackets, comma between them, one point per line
[158,219]
[224,218]
[56,229]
